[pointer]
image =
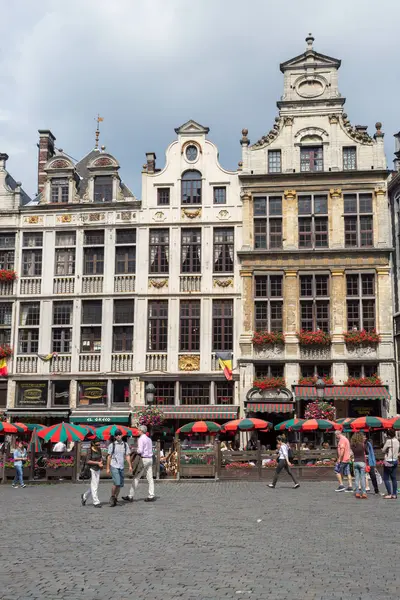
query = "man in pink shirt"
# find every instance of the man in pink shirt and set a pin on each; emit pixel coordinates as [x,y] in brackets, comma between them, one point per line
[145,449]
[342,468]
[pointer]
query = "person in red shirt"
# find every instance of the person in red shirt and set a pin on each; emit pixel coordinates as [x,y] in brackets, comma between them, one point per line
[342,468]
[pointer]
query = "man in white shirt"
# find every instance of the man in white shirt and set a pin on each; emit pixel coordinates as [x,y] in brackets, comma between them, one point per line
[145,449]
[60,447]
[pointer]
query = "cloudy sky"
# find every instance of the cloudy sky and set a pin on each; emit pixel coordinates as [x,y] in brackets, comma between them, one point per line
[147,66]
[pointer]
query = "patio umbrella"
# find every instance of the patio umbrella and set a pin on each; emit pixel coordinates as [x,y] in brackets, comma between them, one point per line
[104,433]
[200,427]
[6,427]
[32,426]
[35,443]
[345,423]
[370,423]
[63,432]
[395,423]
[288,425]
[246,425]
[21,427]
[317,424]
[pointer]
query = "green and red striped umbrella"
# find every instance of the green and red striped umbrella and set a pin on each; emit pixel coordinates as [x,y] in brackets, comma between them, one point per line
[37,426]
[35,443]
[200,427]
[246,425]
[345,423]
[6,427]
[395,423]
[22,428]
[288,425]
[370,423]
[317,424]
[63,432]
[104,433]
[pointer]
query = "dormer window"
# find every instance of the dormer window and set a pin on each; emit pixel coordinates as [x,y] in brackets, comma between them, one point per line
[59,191]
[191,187]
[103,188]
[311,159]
[349,158]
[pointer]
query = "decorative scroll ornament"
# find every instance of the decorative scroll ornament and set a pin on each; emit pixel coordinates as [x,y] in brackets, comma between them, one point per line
[189,362]
[34,220]
[223,283]
[60,164]
[64,218]
[290,194]
[158,283]
[335,193]
[191,214]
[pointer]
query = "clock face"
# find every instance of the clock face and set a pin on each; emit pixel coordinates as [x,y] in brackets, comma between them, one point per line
[191,152]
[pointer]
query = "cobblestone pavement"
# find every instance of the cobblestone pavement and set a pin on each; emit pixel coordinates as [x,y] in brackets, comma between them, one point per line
[199,541]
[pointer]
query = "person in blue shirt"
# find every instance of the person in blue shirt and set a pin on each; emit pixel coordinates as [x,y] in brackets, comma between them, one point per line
[19,458]
[371,462]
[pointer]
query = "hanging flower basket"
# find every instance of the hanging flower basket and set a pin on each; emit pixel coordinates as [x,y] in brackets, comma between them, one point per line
[151,416]
[362,338]
[313,380]
[6,351]
[320,410]
[268,338]
[269,382]
[314,338]
[363,381]
[7,275]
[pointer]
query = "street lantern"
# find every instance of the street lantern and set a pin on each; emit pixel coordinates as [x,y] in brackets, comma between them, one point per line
[320,386]
[150,391]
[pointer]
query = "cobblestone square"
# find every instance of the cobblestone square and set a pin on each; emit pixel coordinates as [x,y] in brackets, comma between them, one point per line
[199,541]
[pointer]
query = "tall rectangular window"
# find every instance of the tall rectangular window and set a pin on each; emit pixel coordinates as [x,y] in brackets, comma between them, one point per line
[219,194]
[195,393]
[29,322]
[163,196]
[313,221]
[314,302]
[222,339]
[59,190]
[362,370]
[268,303]
[268,222]
[5,322]
[123,325]
[90,339]
[269,370]
[92,312]
[62,313]
[61,334]
[311,159]
[360,301]
[93,252]
[350,158]
[165,392]
[7,250]
[358,220]
[103,188]
[159,250]
[31,255]
[157,320]
[189,331]
[224,248]
[313,370]
[191,250]
[29,313]
[125,251]
[65,261]
[274,161]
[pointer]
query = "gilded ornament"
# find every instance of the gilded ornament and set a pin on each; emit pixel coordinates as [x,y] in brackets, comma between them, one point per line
[290,194]
[96,216]
[380,191]
[34,220]
[64,218]
[158,283]
[223,283]
[223,214]
[191,214]
[335,193]
[189,362]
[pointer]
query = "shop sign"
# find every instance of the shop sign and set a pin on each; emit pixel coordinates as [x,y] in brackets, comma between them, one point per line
[102,419]
[92,392]
[32,394]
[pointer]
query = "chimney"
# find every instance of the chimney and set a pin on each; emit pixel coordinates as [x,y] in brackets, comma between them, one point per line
[151,162]
[3,160]
[46,151]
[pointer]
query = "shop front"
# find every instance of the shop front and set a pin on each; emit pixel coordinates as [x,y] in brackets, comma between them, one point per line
[102,402]
[40,402]
[273,405]
[349,401]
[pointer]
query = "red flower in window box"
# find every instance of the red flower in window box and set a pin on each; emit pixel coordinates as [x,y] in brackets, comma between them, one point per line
[363,381]
[269,382]
[6,351]
[7,275]
[320,410]
[265,338]
[314,338]
[313,380]
[362,338]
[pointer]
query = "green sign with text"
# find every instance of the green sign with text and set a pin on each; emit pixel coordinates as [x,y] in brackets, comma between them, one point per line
[103,419]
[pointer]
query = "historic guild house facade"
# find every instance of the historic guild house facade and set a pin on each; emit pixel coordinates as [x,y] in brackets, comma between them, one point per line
[284,264]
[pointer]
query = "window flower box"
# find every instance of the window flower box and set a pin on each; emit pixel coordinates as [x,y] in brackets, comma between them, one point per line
[314,338]
[363,381]
[151,416]
[313,380]
[268,338]
[5,351]
[59,467]
[269,383]
[7,275]
[362,338]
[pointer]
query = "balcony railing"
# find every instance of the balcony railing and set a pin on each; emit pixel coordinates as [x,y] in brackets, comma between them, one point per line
[190,283]
[316,352]
[61,364]
[31,286]
[7,288]
[26,364]
[89,362]
[64,285]
[124,283]
[92,284]
[121,362]
[156,362]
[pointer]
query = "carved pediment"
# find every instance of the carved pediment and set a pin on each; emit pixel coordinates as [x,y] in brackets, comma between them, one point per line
[192,127]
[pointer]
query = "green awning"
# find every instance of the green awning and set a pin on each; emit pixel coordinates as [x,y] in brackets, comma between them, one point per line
[109,418]
[344,392]
[270,407]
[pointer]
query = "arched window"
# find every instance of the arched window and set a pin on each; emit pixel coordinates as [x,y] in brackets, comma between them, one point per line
[191,187]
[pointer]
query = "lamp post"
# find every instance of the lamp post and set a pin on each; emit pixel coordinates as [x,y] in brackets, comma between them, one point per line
[150,391]
[320,386]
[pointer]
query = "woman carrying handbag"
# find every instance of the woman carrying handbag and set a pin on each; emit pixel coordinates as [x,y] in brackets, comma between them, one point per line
[391,451]
[94,460]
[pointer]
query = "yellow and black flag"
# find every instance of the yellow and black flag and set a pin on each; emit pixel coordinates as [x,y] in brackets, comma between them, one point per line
[225,361]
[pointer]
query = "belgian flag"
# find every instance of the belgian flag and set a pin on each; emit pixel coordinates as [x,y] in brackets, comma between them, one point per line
[3,367]
[225,361]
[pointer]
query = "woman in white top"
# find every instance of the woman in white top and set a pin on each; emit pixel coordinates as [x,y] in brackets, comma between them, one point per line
[391,452]
[283,463]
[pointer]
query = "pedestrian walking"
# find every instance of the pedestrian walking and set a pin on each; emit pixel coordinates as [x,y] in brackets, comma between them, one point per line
[371,464]
[358,447]
[94,460]
[391,452]
[19,458]
[342,468]
[118,451]
[283,463]
[145,449]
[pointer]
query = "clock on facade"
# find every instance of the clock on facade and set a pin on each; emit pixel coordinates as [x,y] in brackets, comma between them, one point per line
[191,152]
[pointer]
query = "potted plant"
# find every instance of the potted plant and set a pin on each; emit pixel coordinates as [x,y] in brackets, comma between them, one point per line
[7,275]
[268,338]
[151,416]
[60,467]
[314,338]
[363,381]
[361,339]
[266,383]
[10,469]
[313,380]
[320,410]
[5,351]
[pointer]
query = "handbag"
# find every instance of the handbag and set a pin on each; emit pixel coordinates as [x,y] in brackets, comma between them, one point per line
[85,471]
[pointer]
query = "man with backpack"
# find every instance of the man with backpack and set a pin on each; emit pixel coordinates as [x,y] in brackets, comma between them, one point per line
[284,456]
[118,450]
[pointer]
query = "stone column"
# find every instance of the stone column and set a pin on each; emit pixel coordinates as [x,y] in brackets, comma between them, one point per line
[382,237]
[338,312]
[247,215]
[384,315]
[335,218]
[290,312]
[247,313]
[290,220]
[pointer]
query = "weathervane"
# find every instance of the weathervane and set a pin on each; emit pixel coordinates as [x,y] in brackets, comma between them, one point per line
[99,120]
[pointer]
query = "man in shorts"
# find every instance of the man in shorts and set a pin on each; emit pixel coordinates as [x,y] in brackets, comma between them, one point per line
[342,468]
[118,450]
